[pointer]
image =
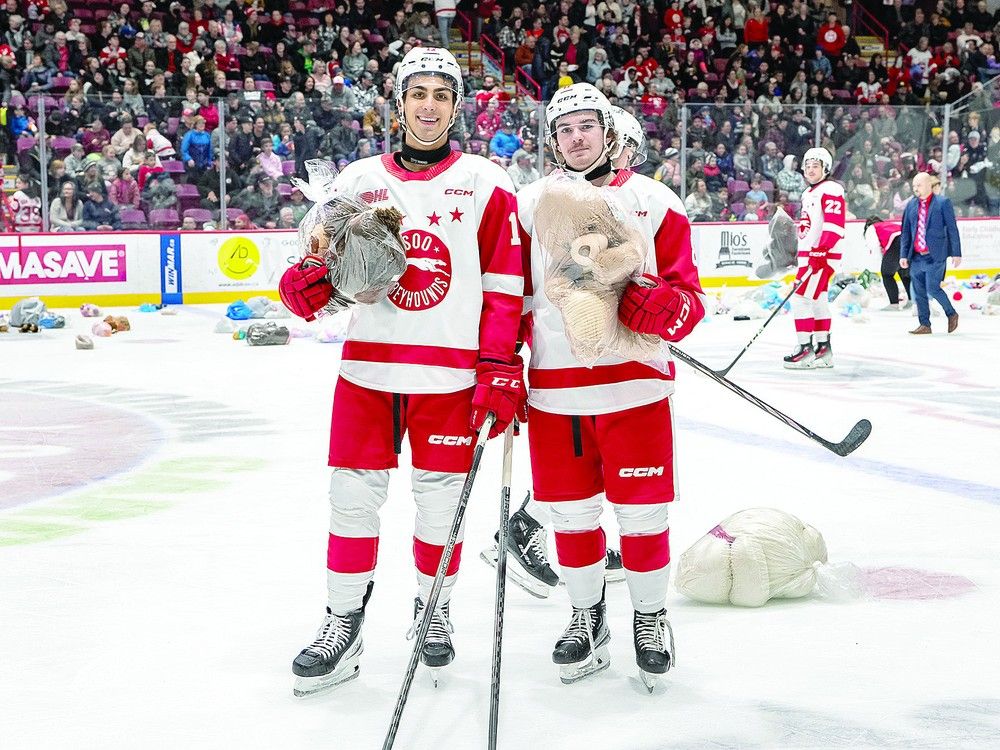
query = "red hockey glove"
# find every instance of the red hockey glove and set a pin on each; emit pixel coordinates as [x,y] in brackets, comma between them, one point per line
[499,389]
[304,288]
[817,260]
[653,306]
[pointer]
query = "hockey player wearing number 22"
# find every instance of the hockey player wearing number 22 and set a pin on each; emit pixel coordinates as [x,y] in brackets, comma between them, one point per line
[821,231]
[429,361]
[607,430]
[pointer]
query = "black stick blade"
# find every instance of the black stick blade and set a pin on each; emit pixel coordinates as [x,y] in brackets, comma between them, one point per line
[858,434]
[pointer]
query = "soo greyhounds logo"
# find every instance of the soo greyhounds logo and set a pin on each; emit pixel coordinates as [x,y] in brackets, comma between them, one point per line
[427,278]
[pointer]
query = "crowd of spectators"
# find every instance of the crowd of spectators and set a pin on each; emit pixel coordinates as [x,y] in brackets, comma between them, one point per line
[144,102]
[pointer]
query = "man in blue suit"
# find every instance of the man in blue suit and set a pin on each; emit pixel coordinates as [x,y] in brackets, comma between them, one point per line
[929,237]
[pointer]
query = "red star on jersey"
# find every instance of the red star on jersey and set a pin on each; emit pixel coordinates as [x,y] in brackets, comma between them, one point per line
[456,215]
[434,219]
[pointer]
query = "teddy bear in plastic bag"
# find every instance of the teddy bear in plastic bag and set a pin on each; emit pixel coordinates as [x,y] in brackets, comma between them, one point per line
[593,252]
[751,557]
[360,245]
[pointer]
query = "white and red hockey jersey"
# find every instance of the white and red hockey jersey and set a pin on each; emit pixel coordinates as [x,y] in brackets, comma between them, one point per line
[460,298]
[821,222]
[558,382]
[26,212]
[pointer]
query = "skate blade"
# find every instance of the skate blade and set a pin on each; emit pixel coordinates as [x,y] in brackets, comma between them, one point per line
[306,687]
[800,365]
[435,675]
[598,662]
[517,574]
[821,365]
[650,680]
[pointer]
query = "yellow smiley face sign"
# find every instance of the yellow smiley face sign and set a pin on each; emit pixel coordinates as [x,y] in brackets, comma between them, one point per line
[239,258]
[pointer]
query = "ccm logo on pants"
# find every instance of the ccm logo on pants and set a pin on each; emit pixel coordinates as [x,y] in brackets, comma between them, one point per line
[453,440]
[641,471]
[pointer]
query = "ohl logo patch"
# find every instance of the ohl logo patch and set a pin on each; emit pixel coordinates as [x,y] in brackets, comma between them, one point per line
[427,278]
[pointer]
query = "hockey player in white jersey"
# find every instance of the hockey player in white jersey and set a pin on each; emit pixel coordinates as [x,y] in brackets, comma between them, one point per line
[821,232]
[527,544]
[607,430]
[631,149]
[25,207]
[428,362]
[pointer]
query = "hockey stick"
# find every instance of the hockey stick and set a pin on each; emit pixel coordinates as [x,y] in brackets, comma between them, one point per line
[858,434]
[508,450]
[725,371]
[435,594]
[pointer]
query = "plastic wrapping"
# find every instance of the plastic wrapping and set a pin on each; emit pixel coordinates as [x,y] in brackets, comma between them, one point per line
[781,251]
[751,557]
[360,244]
[592,251]
[27,311]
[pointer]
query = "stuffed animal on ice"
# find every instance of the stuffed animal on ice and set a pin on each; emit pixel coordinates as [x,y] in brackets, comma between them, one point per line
[751,557]
[593,252]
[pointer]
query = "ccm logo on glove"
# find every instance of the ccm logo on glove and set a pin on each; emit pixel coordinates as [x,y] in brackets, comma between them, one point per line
[499,389]
[506,383]
[651,305]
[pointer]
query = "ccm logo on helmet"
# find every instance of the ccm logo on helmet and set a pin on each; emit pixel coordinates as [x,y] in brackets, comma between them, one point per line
[640,471]
[450,440]
[457,191]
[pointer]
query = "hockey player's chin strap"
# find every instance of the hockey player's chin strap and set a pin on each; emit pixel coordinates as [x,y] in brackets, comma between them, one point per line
[424,157]
[604,168]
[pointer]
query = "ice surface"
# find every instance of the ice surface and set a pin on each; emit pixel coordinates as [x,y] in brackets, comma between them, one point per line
[163,521]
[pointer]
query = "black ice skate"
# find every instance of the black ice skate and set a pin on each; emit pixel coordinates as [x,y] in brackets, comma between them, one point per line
[823,354]
[583,648]
[654,646]
[332,659]
[614,572]
[527,554]
[437,651]
[800,359]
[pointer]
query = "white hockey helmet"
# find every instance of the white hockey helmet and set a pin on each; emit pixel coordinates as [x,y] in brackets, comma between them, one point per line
[822,156]
[630,134]
[433,61]
[578,97]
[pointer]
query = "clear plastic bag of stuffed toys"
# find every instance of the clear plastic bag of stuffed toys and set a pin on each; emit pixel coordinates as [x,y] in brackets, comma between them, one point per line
[359,244]
[592,250]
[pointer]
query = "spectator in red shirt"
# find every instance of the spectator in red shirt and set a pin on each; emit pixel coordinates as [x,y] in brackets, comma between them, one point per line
[111,54]
[490,90]
[225,62]
[673,18]
[830,37]
[755,31]
[150,165]
[644,66]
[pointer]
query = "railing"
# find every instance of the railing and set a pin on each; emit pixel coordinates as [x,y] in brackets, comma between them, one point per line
[464,23]
[489,49]
[527,86]
[864,18]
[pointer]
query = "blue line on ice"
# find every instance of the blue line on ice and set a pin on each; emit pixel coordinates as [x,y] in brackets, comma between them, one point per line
[906,475]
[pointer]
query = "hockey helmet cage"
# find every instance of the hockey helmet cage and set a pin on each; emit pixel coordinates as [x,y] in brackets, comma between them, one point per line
[630,134]
[822,156]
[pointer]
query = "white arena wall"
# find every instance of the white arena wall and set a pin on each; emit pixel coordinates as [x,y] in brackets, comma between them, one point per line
[130,268]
